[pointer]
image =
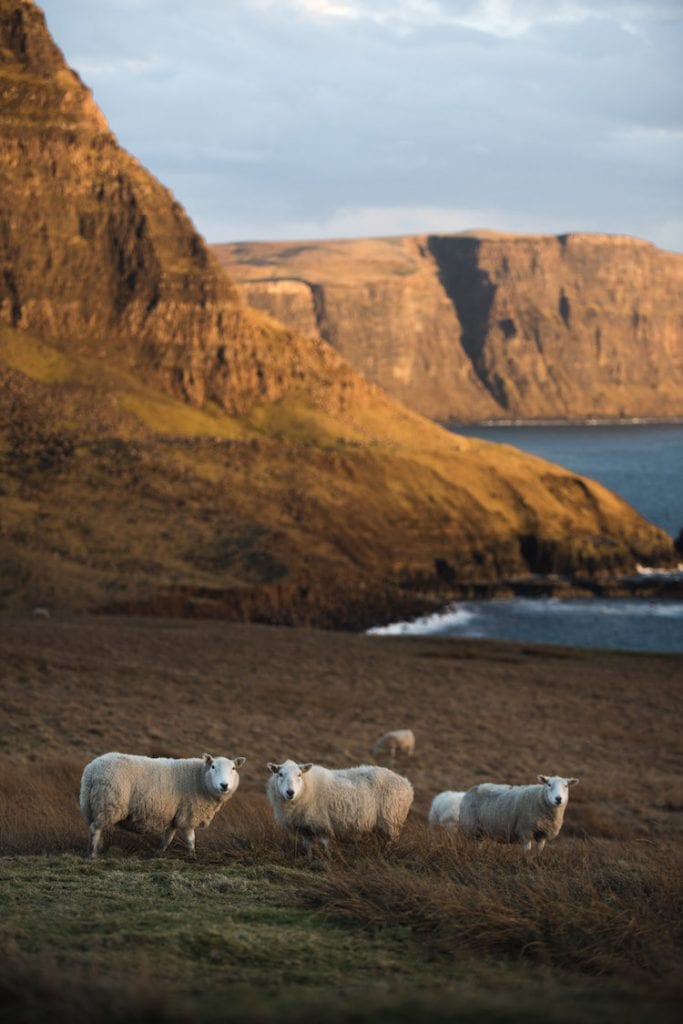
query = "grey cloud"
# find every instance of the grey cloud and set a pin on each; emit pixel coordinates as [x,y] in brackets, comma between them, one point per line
[257,115]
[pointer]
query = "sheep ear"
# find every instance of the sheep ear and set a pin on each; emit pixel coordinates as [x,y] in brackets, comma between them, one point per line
[544,779]
[208,758]
[572,782]
[275,768]
[239,761]
[306,767]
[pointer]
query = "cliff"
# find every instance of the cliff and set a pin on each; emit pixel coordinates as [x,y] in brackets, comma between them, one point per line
[163,447]
[487,326]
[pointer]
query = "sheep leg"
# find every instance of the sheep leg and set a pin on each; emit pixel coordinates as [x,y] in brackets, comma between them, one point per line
[526,847]
[188,838]
[94,841]
[169,836]
[539,846]
[316,843]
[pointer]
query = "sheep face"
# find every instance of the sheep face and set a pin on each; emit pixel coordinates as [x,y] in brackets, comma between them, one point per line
[221,776]
[556,789]
[289,778]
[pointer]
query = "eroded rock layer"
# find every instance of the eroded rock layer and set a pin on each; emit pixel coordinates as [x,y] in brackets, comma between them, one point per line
[487,326]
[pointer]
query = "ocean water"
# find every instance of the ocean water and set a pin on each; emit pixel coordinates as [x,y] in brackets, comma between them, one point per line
[641,462]
[626,624]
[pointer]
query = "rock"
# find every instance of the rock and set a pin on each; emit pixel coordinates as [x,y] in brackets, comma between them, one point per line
[487,326]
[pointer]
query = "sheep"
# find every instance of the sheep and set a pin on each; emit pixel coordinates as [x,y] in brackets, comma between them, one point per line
[445,809]
[399,741]
[323,804]
[160,794]
[523,814]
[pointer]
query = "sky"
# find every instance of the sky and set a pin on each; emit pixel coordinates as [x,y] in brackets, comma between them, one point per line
[303,119]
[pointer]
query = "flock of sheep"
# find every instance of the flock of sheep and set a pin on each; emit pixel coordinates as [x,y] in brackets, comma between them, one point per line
[178,795]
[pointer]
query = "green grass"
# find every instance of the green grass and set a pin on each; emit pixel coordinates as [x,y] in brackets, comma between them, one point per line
[167,939]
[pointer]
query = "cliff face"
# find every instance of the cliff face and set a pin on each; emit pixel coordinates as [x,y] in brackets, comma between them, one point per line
[164,447]
[491,326]
[95,249]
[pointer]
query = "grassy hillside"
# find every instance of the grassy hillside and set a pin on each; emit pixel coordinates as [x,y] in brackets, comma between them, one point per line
[116,494]
[253,930]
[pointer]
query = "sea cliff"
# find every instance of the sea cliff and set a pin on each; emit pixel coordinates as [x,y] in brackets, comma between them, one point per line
[482,326]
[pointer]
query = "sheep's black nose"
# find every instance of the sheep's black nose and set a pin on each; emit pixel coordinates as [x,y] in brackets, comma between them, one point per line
[558,799]
[290,794]
[224,787]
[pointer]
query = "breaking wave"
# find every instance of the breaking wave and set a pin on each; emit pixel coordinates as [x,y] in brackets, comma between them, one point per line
[616,623]
[428,625]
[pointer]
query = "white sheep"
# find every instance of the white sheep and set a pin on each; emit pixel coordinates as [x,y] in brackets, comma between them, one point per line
[523,814]
[323,804]
[398,741]
[445,809]
[155,794]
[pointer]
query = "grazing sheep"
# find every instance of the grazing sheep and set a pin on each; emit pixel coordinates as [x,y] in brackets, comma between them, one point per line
[155,794]
[320,803]
[399,741]
[445,809]
[523,814]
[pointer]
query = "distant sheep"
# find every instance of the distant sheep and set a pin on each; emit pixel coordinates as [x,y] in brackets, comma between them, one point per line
[399,741]
[155,794]
[524,814]
[323,804]
[445,809]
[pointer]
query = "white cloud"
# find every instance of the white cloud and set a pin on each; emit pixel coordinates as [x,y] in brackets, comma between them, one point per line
[501,18]
[647,135]
[326,8]
[382,221]
[114,67]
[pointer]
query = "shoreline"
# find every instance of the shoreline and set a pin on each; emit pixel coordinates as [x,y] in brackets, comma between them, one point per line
[589,421]
[361,607]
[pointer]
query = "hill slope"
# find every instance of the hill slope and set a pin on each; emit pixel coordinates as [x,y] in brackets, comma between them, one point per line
[487,326]
[165,447]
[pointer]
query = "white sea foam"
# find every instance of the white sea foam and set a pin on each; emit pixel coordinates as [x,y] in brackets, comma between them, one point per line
[453,617]
[669,574]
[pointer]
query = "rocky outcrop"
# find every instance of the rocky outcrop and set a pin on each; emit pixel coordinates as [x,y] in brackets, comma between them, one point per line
[163,446]
[471,327]
[94,248]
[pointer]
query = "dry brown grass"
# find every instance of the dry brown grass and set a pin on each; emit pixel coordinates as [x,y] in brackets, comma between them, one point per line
[597,907]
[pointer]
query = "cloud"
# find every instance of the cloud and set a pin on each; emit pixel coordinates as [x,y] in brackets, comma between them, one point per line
[115,67]
[500,18]
[279,118]
[386,221]
[327,8]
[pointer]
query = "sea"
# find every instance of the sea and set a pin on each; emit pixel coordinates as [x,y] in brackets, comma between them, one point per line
[643,463]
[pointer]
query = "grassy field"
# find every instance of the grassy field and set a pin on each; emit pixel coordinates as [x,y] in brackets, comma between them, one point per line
[434,928]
